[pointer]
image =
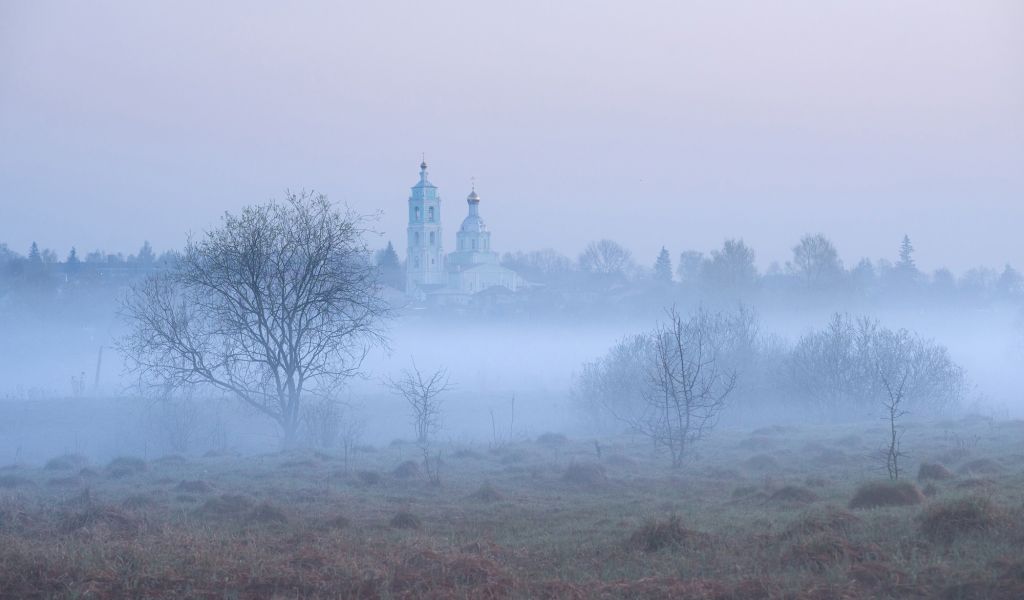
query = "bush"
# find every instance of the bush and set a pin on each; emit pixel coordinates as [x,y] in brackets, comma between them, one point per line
[947,521]
[829,520]
[886,493]
[225,506]
[125,466]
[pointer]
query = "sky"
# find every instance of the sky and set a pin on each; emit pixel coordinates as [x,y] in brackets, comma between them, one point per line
[675,123]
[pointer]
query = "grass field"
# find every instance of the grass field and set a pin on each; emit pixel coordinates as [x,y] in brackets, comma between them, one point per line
[780,512]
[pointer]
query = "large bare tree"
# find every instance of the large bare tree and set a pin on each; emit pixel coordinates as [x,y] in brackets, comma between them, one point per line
[279,302]
[687,383]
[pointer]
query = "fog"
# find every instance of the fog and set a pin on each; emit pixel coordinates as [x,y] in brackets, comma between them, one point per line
[536,299]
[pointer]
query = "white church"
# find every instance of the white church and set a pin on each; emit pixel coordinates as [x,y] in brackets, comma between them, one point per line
[473,268]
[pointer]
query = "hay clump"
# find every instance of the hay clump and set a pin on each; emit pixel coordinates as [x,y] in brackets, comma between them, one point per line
[886,493]
[125,466]
[266,514]
[14,481]
[762,462]
[830,520]
[196,486]
[947,521]
[933,471]
[487,493]
[405,520]
[66,462]
[407,470]
[368,477]
[981,466]
[225,506]
[585,474]
[670,533]
[552,439]
[794,494]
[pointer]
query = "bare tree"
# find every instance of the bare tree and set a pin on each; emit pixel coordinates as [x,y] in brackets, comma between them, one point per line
[908,369]
[605,257]
[422,391]
[687,384]
[279,301]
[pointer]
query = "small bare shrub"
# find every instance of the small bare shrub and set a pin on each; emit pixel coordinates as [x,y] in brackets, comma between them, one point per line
[886,493]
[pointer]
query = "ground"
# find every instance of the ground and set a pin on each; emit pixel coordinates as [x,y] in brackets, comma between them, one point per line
[755,514]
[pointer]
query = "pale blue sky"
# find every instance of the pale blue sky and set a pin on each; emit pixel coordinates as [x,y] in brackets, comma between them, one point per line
[675,123]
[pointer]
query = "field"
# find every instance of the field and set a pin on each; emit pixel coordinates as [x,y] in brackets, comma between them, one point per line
[780,512]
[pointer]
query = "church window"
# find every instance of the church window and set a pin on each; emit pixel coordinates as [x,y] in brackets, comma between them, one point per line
[430,214]
[431,238]
[416,237]
[474,244]
[417,213]
[416,262]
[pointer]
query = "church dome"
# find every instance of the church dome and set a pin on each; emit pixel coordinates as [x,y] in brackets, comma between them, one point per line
[473,224]
[473,197]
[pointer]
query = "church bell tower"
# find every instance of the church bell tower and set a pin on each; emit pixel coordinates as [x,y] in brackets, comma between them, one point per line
[424,261]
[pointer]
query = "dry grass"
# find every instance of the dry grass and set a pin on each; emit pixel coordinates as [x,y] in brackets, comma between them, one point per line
[548,523]
[933,471]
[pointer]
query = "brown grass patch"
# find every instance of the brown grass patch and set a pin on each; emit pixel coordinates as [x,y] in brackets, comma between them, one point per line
[225,506]
[831,520]
[670,533]
[947,521]
[266,514]
[886,493]
[95,518]
[125,466]
[821,551]
[430,574]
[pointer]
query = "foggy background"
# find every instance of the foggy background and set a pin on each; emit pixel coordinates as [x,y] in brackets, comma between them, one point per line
[653,124]
[675,123]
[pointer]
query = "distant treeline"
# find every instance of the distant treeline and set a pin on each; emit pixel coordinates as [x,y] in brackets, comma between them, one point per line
[606,275]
